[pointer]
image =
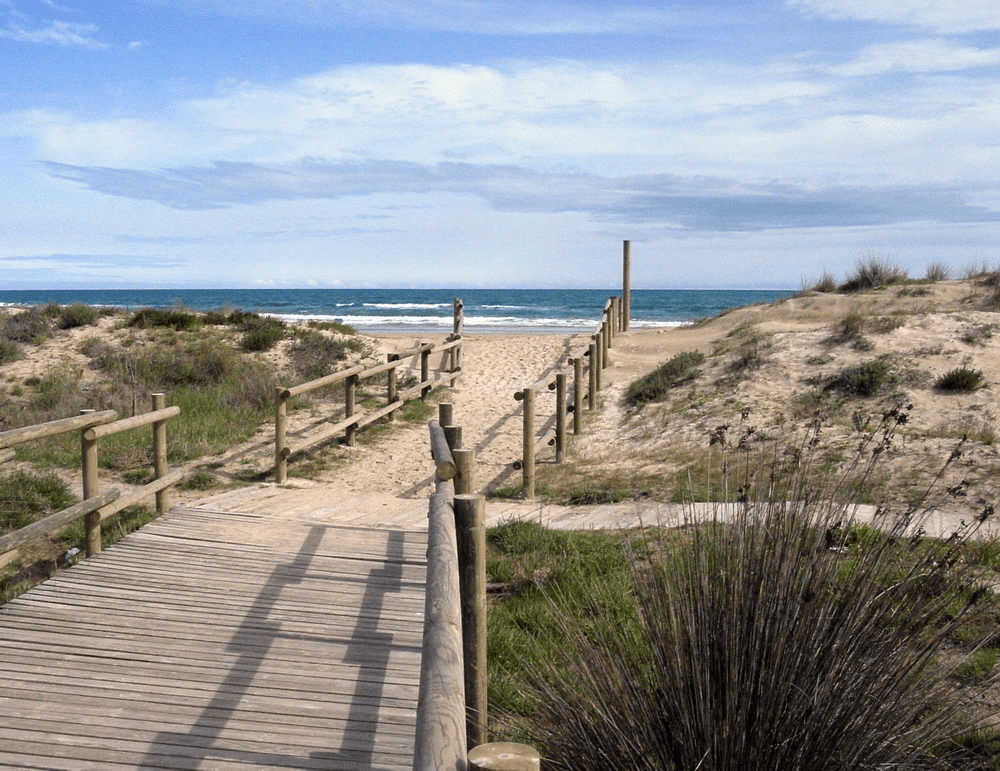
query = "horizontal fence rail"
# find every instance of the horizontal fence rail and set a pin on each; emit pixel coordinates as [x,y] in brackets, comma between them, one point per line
[96,506]
[451,709]
[356,418]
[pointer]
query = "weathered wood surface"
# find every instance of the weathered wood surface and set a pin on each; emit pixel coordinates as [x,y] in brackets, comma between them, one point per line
[214,640]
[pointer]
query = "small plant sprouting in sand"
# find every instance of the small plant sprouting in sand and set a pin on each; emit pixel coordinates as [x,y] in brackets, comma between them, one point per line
[977,334]
[960,379]
[680,369]
[826,283]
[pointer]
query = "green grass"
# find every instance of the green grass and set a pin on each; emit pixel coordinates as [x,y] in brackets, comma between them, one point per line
[960,379]
[656,386]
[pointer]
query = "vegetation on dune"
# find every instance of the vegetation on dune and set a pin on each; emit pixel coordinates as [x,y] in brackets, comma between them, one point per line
[680,369]
[783,633]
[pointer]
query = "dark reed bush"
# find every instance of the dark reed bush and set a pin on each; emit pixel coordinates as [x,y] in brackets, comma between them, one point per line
[872,272]
[865,379]
[781,633]
[172,318]
[30,326]
[77,315]
[960,379]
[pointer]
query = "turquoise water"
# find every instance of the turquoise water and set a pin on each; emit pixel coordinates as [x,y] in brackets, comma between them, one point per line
[538,310]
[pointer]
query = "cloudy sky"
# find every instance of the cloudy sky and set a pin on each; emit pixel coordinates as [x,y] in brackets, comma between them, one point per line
[497,143]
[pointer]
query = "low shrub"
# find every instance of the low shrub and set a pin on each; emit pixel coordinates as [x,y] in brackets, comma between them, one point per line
[30,326]
[314,354]
[681,368]
[825,283]
[960,379]
[865,379]
[77,315]
[9,351]
[172,318]
[261,333]
[938,271]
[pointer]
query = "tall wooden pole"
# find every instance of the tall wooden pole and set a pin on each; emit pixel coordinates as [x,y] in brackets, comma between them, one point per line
[626,284]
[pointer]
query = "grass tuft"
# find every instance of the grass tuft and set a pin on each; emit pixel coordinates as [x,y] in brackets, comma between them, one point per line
[656,386]
[872,272]
[960,379]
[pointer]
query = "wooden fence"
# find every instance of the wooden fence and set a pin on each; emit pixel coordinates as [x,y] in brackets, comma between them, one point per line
[356,418]
[451,710]
[96,506]
[572,387]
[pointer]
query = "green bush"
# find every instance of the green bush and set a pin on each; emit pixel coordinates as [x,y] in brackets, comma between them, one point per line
[261,333]
[314,354]
[680,369]
[172,318]
[865,379]
[960,379]
[77,315]
[9,351]
[30,326]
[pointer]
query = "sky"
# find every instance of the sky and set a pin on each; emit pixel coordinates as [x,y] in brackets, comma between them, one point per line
[494,143]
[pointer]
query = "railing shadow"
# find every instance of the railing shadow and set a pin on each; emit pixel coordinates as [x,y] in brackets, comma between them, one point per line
[198,746]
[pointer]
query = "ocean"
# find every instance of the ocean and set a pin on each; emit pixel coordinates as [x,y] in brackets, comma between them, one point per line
[427,310]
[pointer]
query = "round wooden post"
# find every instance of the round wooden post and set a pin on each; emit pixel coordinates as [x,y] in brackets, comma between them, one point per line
[577,395]
[470,529]
[626,284]
[593,368]
[465,460]
[160,467]
[88,463]
[528,442]
[446,414]
[392,394]
[505,756]
[280,429]
[350,396]
[560,417]
[425,371]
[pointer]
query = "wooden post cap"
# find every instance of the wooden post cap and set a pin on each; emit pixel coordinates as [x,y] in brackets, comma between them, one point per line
[505,756]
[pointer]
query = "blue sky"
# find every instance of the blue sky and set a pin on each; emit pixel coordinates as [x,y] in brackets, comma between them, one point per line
[464,143]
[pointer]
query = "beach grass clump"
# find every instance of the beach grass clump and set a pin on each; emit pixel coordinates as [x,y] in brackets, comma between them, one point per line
[774,631]
[656,386]
[826,283]
[866,378]
[960,379]
[9,351]
[938,271]
[260,333]
[872,272]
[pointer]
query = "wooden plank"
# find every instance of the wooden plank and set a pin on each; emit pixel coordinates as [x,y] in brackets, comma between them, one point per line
[199,643]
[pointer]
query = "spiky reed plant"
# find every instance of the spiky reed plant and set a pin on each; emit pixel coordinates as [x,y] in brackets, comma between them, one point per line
[782,633]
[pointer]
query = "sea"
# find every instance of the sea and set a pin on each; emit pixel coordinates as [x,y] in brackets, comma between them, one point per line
[428,311]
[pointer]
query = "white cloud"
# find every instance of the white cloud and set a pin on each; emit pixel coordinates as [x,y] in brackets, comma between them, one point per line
[61,33]
[948,16]
[918,56]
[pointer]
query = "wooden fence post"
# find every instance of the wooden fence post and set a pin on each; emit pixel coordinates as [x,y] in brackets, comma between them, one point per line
[528,441]
[392,394]
[280,440]
[425,371]
[470,529]
[593,369]
[577,395]
[160,454]
[505,756]
[88,463]
[350,398]
[458,329]
[626,284]
[446,415]
[560,417]
[465,482]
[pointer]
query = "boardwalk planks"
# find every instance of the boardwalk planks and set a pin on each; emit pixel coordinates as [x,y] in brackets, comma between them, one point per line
[219,641]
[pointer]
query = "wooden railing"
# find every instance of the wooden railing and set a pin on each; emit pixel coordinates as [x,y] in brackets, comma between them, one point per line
[567,400]
[354,418]
[96,506]
[451,711]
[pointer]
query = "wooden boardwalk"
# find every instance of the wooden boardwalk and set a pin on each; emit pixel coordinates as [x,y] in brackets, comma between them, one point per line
[219,640]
